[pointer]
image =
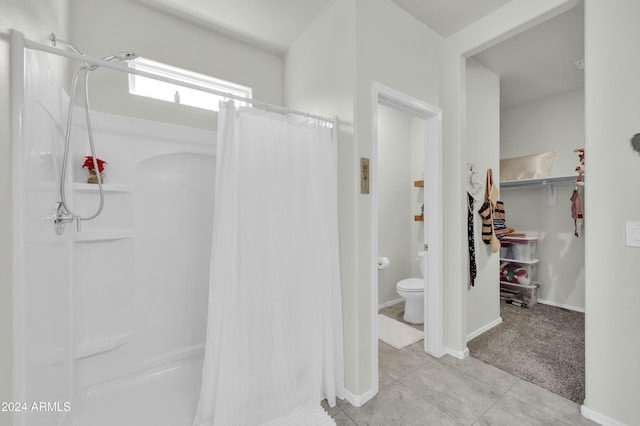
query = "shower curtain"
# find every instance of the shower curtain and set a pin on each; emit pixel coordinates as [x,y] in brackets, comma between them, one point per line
[274,337]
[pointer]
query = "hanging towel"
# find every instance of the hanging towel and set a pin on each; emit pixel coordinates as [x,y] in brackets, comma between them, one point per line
[472,246]
[576,210]
[474,191]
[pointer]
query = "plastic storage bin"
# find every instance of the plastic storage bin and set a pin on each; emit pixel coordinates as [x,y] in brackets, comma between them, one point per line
[527,294]
[521,272]
[523,248]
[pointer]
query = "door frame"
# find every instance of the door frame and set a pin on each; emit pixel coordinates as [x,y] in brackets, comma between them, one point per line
[433,235]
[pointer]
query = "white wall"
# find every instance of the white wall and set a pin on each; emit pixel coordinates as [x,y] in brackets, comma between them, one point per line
[552,124]
[323,83]
[101,28]
[355,43]
[483,134]
[395,189]
[381,28]
[36,20]
[612,96]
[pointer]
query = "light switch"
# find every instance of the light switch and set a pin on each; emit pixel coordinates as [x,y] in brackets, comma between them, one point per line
[633,234]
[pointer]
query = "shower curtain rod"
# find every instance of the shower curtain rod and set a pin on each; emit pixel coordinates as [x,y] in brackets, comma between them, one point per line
[29,44]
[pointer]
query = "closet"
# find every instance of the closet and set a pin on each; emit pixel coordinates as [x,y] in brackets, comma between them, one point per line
[525,96]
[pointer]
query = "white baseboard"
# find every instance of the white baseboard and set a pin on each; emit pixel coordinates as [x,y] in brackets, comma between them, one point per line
[599,418]
[560,305]
[484,328]
[359,400]
[457,354]
[390,303]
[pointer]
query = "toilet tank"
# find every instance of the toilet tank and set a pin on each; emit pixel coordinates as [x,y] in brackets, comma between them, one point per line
[423,263]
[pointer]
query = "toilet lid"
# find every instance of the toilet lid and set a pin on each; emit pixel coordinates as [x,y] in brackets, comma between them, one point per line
[411,284]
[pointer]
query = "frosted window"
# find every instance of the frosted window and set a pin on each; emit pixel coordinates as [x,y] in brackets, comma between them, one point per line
[156,89]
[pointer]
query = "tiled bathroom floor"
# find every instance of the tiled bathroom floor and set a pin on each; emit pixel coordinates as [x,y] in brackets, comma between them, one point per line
[417,389]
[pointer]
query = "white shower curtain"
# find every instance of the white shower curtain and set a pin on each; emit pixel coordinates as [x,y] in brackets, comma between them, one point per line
[274,337]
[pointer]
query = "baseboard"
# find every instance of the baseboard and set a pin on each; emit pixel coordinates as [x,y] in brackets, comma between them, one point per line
[560,305]
[359,400]
[599,418]
[484,328]
[390,303]
[457,354]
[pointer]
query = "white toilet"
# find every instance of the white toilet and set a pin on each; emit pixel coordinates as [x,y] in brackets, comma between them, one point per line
[412,290]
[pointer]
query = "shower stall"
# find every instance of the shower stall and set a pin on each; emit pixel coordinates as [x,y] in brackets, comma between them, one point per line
[110,319]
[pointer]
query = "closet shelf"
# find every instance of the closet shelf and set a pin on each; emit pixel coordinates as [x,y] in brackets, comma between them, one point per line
[556,180]
[549,182]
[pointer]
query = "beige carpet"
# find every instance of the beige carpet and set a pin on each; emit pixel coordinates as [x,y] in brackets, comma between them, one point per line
[543,345]
[397,334]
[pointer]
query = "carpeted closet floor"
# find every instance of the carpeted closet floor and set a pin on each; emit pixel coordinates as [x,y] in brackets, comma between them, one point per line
[543,345]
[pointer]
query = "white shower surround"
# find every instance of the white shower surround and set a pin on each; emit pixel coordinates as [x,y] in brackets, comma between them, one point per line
[112,318]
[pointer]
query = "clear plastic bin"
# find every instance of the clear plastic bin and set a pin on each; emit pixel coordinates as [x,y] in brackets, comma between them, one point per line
[518,248]
[518,272]
[527,294]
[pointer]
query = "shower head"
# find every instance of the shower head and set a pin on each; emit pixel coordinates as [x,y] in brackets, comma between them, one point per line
[118,57]
[121,57]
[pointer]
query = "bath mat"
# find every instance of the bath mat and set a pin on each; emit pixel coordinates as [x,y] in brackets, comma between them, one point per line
[316,416]
[397,334]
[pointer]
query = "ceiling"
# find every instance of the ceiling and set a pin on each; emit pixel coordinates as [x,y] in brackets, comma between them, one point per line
[449,16]
[534,64]
[277,23]
[540,62]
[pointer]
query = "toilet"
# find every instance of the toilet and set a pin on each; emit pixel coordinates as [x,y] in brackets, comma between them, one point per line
[412,291]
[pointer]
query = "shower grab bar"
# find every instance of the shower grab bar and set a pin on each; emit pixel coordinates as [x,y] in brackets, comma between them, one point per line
[117,67]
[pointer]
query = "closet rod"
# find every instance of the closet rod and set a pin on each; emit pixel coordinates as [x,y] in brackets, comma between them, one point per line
[29,44]
[538,181]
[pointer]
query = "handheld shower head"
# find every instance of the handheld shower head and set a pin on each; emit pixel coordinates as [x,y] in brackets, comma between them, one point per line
[121,57]
[118,57]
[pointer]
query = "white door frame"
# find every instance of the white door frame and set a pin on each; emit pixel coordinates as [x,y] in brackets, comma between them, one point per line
[433,300]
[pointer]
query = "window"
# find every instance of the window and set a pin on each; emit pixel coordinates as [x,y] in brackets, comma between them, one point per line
[148,87]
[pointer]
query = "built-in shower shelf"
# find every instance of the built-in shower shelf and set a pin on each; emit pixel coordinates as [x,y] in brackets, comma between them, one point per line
[108,188]
[101,236]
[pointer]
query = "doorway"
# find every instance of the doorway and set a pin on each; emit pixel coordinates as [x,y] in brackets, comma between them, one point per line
[427,121]
[539,108]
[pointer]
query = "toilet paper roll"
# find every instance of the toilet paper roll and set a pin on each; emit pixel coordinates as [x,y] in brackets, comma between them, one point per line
[384,263]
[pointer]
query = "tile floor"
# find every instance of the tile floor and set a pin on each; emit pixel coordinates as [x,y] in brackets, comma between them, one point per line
[417,389]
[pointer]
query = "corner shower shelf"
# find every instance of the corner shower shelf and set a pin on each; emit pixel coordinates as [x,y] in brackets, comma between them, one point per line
[101,236]
[108,188]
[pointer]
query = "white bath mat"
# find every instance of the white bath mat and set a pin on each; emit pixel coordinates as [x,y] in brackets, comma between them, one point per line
[397,334]
[304,416]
